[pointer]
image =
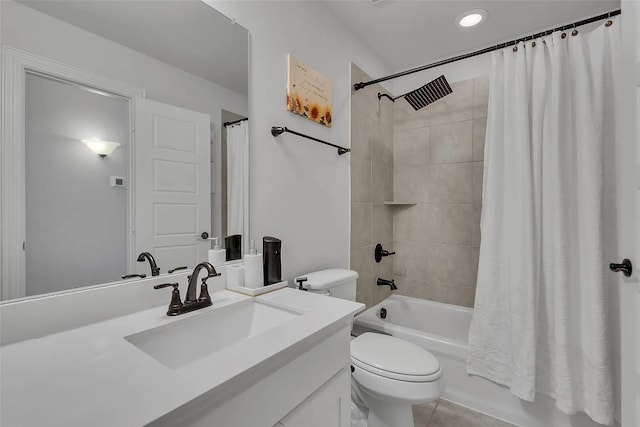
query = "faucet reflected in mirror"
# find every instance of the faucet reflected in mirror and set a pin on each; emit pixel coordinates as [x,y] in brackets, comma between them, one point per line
[155,270]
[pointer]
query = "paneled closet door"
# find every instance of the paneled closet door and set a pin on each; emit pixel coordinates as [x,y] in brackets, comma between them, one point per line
[172,184]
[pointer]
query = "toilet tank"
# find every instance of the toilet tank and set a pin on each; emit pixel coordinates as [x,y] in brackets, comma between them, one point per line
[335,282]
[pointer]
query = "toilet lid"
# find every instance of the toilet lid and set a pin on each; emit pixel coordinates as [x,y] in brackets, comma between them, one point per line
[393,358]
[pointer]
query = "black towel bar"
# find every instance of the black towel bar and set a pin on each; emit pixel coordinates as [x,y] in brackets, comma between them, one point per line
[279,130]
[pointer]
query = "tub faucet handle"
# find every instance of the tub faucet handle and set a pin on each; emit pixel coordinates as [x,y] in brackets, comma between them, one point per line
[379,253]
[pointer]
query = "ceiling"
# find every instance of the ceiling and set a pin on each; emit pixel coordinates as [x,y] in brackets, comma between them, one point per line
[187,34]
[192,36]
[406,34]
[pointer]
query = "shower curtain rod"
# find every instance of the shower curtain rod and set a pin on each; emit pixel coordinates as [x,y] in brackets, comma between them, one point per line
[235,122]
[362,85]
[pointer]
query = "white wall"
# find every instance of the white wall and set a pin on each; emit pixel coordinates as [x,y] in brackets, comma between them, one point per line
[76,223]
[299,189]
[627,318]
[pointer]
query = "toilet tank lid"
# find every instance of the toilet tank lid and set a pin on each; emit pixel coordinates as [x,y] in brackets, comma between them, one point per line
[326,279]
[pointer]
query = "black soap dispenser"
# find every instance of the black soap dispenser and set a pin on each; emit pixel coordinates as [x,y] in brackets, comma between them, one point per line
[271,248]
[233,245]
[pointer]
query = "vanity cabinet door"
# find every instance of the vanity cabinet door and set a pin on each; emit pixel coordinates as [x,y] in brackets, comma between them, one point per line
[329,406]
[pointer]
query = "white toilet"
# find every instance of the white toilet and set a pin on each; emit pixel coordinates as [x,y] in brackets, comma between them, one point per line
[389,374]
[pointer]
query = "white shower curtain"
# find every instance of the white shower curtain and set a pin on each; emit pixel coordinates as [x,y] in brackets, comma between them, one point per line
[238,181]
[540,322]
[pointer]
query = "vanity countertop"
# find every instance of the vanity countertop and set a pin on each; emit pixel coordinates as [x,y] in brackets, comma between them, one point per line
[93,376]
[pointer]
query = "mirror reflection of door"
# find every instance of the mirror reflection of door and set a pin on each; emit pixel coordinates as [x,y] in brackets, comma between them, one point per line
[172,170]
[76,214]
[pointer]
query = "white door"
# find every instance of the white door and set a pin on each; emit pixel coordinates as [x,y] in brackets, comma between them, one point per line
[172,184]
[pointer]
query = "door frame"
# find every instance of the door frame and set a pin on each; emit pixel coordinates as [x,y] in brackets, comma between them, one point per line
[15,66]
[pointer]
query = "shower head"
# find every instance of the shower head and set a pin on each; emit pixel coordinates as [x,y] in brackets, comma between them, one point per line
[428,93]
[425,95]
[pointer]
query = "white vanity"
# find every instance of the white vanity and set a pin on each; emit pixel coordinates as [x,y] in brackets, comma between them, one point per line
[278,359]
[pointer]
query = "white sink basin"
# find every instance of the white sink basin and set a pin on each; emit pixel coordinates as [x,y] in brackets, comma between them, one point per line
[185,341]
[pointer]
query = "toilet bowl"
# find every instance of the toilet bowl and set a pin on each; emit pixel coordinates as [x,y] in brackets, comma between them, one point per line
[389,374]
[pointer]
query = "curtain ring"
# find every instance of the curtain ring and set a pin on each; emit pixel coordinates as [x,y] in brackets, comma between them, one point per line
[574,32]
[608,23]
[515,48]
[564,35]
[533,44]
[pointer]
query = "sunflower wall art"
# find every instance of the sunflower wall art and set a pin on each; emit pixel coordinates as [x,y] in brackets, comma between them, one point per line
[309,93]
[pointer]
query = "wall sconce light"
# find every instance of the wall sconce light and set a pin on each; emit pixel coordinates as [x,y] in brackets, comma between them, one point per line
[101,148]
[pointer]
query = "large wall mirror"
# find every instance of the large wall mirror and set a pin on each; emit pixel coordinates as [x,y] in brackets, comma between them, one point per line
[124,132]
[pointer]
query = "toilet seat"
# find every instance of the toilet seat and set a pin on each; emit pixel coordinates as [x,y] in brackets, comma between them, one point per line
[394,358]
[396,376]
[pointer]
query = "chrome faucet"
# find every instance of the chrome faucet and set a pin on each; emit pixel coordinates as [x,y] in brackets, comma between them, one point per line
[177,307]
[155,270]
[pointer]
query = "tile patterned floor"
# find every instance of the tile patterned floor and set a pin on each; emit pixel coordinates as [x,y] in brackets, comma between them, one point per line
[446,414]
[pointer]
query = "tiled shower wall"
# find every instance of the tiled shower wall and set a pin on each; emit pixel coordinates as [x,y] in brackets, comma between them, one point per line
[438,165]
[371,157]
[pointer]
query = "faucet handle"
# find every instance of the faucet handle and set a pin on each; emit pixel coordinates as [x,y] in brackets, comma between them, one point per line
[300,281]
[131,276]
[379,253]
[175,305]
[204,291]
[214,274]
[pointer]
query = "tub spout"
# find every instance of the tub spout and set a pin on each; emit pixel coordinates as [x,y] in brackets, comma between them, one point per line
[384,282]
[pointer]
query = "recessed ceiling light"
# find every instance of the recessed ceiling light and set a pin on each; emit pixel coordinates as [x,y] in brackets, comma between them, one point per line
[471,18]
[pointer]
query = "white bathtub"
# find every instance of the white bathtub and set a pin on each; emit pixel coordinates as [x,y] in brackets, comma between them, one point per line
[443,329]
